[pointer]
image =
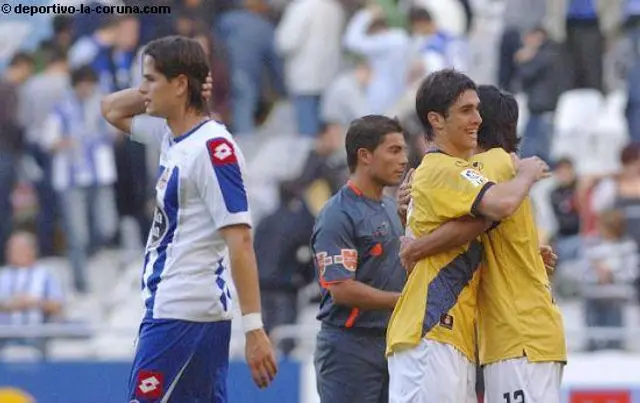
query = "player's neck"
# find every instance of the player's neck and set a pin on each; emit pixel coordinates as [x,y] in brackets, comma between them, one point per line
[366,186]
[448,148]
[184,121]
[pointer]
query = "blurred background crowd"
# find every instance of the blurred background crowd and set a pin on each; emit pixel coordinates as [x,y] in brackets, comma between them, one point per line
[76,196]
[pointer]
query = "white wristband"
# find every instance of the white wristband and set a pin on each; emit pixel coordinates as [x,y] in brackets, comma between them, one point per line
[251,322]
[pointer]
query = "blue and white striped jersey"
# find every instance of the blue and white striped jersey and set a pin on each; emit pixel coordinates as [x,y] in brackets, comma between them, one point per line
[200,189]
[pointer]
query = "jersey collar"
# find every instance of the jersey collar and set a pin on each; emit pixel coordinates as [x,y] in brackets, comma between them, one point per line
[190,132]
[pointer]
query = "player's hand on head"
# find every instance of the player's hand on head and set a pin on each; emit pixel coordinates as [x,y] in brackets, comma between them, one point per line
[207,87]
[533,167]
[260,357]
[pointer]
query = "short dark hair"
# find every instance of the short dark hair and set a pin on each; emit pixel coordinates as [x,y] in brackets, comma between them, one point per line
[419,14]
[53,54]
[21,58]
[83,74]
[437,92]
[368,132]
[176,55]
[62,23]
[499,111]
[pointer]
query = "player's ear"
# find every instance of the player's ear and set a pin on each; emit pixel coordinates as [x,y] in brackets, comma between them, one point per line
[436,120]
[364,155]
[181,83]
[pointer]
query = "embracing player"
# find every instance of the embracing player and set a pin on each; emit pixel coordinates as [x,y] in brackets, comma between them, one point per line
[201,213]
[431,335]
[520,330]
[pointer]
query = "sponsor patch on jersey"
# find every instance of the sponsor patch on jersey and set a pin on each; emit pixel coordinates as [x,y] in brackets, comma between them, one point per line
[474,177]
[149,385]
[221,152]
[349,259]
[159,227]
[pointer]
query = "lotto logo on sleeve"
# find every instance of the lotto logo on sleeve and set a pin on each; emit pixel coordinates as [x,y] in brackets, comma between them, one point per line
[150,385]
[474,177]
[221,152]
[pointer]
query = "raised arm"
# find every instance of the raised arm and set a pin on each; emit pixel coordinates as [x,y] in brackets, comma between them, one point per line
[120,107]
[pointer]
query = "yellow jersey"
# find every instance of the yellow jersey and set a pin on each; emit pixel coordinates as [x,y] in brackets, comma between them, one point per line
[517,315]
[438,302]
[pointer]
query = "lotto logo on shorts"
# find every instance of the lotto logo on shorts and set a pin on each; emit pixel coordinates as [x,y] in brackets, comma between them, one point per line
[150,385]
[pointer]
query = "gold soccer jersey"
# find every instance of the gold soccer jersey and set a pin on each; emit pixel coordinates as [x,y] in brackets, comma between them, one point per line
[516,312]
[438,301]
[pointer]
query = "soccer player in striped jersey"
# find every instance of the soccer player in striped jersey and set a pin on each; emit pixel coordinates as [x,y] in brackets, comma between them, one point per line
[201,214]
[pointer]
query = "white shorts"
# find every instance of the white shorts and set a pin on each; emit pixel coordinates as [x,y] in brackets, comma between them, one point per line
[521,381]
[432,372]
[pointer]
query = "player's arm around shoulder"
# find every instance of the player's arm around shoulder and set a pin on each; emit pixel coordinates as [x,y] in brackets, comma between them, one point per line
[502,200]
[336,258]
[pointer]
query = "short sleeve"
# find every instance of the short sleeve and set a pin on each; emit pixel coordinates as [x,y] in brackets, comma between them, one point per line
[219,180]
[336,256]
[147,129]
[457,194]
[52,289]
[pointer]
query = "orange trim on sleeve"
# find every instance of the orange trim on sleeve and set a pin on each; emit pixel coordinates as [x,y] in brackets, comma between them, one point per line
[352,317]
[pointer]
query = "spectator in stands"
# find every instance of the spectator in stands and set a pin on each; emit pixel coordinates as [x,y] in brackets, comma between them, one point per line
[582,26]
[308,38]
[11,137]
[62,39]
[132,185]
[282,238]
[631,16]
[83,170]
[346,98]
[622,191]
[564,203]
[612,259]
[96,51]
[29,293]
[537,61]
[387,50]
[38,97]
[432,48]
[520,16]
[249,38]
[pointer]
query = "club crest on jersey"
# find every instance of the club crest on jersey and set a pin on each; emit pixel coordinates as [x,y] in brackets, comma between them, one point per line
[163,179]
[159,227]
[474,177]
[446,321]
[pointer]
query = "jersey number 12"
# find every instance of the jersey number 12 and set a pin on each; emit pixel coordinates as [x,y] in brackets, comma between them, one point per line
[518,397]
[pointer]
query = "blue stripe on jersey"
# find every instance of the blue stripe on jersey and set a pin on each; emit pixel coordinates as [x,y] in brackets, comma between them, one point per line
[225,296]
[171,208]
[232,187]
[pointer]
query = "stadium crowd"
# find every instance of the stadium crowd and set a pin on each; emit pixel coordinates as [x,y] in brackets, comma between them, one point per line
[288,78]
